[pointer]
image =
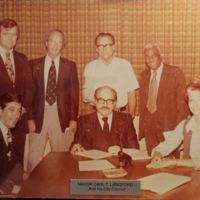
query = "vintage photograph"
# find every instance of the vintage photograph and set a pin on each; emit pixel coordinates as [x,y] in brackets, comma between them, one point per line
[100,99]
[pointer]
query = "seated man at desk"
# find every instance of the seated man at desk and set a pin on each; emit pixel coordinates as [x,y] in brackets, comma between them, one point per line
[187,132]
[10,170]
[105,127]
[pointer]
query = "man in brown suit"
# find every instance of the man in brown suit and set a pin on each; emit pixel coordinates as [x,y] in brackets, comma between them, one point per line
[15,76]
[106,127]
[162,98]
[55,106]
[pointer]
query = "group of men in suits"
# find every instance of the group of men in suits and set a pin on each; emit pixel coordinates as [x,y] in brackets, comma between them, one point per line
[49,88]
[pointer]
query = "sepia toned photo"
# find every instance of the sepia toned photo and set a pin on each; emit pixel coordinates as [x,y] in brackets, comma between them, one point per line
[100,99]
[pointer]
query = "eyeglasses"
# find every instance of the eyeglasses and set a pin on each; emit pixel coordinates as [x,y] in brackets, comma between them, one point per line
[101,46]
[108,101]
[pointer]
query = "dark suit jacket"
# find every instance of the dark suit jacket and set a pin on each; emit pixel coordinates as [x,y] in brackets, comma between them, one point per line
[6,166]
[171,104]
[23,79]
[67,92]
[90,135]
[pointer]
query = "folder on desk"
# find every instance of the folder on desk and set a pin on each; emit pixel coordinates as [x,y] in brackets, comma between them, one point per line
[95,165]
[94,154]
[163,182]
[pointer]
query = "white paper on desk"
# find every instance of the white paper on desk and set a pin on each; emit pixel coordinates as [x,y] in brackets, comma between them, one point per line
[136,154]
[163,182]
[94,165]
[94,154]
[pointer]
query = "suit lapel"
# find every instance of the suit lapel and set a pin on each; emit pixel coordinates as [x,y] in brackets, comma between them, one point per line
[40,74]
[146,85]
[18,68]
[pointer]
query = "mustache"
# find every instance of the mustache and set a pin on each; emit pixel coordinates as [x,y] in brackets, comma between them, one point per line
[104,107]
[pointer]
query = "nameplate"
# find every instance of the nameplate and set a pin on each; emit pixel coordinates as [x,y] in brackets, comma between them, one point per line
[104,187]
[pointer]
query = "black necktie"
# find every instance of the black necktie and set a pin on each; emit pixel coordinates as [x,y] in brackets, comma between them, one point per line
[105,126]
[51,85]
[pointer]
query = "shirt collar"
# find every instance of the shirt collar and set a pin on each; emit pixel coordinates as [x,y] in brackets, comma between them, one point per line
[3,52]
[158,70]
[56,60]
[191,124]
[4,131]
[109,116]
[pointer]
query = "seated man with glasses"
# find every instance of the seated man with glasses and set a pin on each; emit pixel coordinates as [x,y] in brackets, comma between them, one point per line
[113,71]
[105,127]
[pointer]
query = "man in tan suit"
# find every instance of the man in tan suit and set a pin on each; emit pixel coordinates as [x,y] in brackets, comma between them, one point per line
[162,100]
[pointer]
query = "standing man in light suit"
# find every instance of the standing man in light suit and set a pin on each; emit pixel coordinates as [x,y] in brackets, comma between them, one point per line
[55,106]
[162,98]
[15,76]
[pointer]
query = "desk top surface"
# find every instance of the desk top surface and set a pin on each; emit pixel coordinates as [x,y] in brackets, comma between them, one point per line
[51,179]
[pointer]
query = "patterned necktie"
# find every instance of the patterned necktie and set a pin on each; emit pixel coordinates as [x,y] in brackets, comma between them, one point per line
[105,126]
[9,142]
[9,68]
[51,85]
[152,96]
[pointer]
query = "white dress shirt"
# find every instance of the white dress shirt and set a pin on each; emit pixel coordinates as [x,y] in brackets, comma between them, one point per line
[118,74]
[158,74]
[175,137]
[4,131]
[99,116]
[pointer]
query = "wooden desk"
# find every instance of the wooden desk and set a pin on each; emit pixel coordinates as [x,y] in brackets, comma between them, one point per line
[51,179]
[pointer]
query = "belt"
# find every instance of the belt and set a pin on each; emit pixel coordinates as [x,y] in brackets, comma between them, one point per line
[122,109]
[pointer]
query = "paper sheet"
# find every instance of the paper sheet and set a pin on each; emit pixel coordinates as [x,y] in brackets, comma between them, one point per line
[163,182]
[94,154]
[137,154]
[94,165]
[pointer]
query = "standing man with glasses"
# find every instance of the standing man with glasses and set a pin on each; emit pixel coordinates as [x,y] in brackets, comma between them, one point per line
[105,127]
[15,76]
[113,71]
[162,98]
[56,100]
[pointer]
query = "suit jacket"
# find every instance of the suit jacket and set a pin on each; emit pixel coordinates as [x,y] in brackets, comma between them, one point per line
[23,80]
[67,92]
[90,136]
[6,165]
[171,104]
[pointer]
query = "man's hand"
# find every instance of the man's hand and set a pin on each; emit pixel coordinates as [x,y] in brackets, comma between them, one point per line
[156,159]
[76,148]
[16,189]
[72,127]
[31,126]
[161,163]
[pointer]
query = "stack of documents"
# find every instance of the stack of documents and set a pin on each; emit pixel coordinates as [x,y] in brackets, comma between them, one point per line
[162,182]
